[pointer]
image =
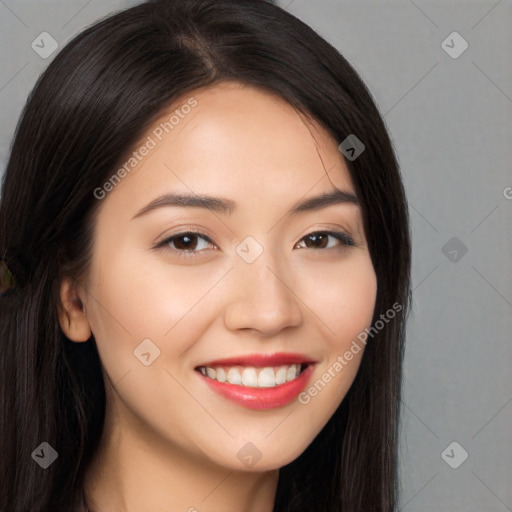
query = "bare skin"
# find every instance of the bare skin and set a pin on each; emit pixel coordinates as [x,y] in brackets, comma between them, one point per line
[170,443]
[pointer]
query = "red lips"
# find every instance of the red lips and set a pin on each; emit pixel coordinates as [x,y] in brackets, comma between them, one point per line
[261,398]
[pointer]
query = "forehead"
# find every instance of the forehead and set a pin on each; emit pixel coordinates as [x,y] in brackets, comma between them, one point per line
[234,141]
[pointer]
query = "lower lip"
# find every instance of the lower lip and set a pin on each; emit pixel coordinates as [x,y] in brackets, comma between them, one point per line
[262,398]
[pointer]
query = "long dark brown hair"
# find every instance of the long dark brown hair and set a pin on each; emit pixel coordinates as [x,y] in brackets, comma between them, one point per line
[92,104]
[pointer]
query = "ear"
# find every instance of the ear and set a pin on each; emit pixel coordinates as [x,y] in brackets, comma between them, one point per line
[72,314]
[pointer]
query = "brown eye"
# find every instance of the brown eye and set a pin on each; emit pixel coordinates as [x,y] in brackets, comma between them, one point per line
[320,240]
[317,240]
[187,243]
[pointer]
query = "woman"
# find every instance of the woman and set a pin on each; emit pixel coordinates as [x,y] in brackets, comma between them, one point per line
[205,272]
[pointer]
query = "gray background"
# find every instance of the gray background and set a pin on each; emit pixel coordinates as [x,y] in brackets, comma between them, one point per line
[451,123]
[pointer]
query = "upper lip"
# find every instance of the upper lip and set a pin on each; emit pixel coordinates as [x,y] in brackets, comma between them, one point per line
[261,360]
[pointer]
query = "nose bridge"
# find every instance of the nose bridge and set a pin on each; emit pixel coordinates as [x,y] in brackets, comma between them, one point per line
[262,298]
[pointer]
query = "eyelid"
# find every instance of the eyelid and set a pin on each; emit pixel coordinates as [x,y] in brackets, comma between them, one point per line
[185,230]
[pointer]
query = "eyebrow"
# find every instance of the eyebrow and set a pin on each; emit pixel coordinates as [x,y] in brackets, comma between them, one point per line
[227,206]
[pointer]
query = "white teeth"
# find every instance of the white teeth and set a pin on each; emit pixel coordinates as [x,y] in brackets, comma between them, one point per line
[267,377]
[250,377]
[291,373]
[221,375]
[234,376]
[281,375]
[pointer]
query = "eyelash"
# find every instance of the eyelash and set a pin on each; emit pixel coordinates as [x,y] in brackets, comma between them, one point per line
[346,240]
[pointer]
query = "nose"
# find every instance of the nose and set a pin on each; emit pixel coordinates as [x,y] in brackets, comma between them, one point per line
[262,298]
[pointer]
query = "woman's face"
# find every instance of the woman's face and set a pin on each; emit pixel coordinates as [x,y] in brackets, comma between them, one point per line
[248,280]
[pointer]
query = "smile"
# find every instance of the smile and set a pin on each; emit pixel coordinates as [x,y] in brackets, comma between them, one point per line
[259,381]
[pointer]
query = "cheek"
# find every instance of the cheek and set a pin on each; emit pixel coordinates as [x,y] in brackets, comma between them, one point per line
[134,301]
[344,301]
[342,296]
